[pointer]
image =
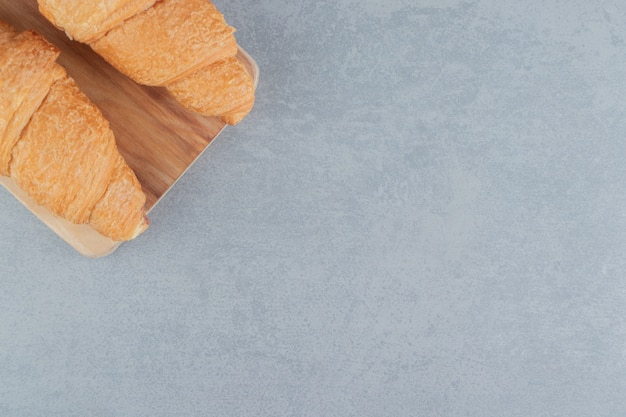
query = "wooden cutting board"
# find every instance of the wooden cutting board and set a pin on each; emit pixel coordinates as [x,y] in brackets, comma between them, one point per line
[159,139]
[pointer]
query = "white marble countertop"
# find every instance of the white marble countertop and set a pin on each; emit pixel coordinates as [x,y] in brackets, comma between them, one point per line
[425,215]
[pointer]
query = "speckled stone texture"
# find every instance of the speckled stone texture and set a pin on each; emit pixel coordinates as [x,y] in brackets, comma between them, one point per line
[424,215]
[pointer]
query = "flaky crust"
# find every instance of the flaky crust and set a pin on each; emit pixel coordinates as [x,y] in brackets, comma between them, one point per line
[28,69]
[171,44]
[87,21]
[119,213]
[66,155]
[57,146]
[223,89]
[168,41]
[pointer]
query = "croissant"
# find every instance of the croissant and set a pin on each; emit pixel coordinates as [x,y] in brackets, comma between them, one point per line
[181,45]
[57,146]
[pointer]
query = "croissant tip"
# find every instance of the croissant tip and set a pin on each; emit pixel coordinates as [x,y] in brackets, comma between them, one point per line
[142,227]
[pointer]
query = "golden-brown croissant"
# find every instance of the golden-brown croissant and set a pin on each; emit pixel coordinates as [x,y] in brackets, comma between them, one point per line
[58,147]
[175,44]
[86,20]
[229,93]
[27,70]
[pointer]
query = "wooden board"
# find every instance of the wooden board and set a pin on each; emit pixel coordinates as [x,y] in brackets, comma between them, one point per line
[159,139]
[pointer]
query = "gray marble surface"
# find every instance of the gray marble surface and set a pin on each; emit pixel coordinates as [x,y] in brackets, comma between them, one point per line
[425,215]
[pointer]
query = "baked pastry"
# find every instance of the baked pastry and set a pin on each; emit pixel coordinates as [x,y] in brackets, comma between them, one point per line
[171,39]
[58,147]
[229,91]
[28,69]
[89,20]
[174,44]
[119,214]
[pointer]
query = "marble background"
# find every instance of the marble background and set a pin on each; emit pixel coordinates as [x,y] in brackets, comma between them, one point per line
[425,215]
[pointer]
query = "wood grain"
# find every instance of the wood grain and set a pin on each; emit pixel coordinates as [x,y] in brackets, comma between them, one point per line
[159,139]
